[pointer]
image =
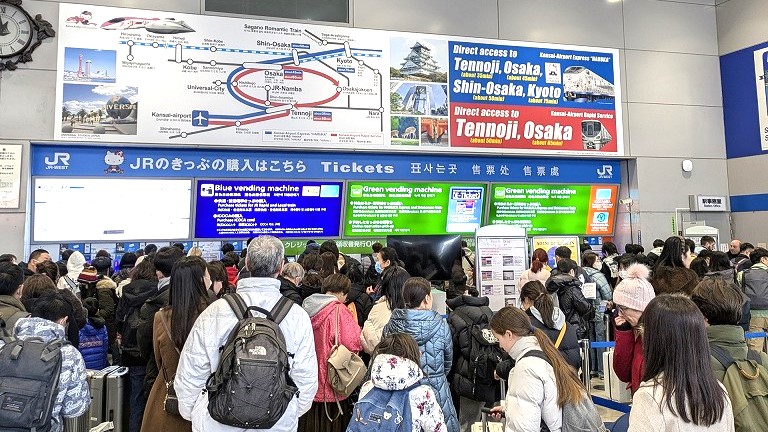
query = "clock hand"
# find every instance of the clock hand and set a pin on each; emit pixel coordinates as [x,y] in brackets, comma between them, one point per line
[4,28]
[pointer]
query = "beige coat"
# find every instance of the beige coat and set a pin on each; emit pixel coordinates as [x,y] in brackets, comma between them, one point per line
[374,325]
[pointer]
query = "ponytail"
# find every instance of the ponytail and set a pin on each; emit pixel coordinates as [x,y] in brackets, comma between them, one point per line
[536,265]
[538,259]
[570,390]
[536,293]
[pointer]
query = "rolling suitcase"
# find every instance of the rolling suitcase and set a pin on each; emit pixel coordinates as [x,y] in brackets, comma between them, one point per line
[81,423]
[617,390]
[109,398]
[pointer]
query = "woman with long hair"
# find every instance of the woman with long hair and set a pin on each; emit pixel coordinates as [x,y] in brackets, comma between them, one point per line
[545,316]
[220,285]
[188,298]
[433,335]
[679,390]
[539,270]
[671,273]
[391,287]
[541,383]
[312,281]
[330,264]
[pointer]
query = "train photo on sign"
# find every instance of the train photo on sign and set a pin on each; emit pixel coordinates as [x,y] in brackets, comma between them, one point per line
[581,83]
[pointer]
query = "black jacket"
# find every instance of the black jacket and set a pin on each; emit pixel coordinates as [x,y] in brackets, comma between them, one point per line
[145,334]
[569,346]
[577,309]
[363,302]
[466,309]
[134,295]
[289,290]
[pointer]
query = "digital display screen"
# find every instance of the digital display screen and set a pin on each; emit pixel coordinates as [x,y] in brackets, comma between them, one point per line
[378,208]
[245,208]
[78,209]
[555,209]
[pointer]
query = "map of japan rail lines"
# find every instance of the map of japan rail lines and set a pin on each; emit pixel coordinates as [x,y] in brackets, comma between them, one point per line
[127,75]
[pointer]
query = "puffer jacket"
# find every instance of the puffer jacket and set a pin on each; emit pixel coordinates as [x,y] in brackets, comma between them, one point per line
[73,396]
[394,373]
[746,308]
[94,343]
[134,295]
[569,346]
[476,310]
[200,356]
[434,338]
[529,275]
[577,309]
[531,399]
[289,290]
[75,266]
[604,292]
[322,310]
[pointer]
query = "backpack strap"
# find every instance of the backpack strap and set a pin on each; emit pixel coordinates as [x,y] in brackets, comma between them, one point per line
[561,335]
[281,309]
[754,356]
[237,304]
[538,354]
[471,264]
[722,356]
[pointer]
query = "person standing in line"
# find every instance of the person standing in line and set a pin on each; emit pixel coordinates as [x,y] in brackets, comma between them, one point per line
[539,270]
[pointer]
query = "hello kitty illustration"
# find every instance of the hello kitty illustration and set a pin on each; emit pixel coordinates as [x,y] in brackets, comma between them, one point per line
[114,160]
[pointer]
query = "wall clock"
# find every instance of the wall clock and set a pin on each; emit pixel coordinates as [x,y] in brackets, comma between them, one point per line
[20,34]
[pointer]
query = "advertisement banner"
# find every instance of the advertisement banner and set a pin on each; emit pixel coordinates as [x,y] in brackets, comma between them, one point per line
[501,261]
[127,75]
[375,209]
[10,175]
[550,243]
[555,209]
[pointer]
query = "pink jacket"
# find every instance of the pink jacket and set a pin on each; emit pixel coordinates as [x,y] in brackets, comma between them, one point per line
[322,312]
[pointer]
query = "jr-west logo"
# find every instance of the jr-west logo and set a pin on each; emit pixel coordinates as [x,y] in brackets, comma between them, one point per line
[606,172]
[60,161]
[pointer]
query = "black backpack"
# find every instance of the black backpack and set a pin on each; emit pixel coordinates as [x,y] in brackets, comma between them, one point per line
[484,350]
[29,381]
[251,387]
[130,342]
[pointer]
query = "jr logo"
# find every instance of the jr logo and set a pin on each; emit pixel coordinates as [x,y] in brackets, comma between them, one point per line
[605,172]
[60,161]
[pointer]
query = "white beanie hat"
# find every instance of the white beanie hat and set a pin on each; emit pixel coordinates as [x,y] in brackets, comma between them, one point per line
[634,291]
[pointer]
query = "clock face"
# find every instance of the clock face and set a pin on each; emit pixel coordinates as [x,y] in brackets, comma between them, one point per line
[16,30]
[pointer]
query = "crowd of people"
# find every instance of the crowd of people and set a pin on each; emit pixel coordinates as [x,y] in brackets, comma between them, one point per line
[333,343]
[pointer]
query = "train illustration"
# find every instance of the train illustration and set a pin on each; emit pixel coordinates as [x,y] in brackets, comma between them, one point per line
[581,83]
[594,135]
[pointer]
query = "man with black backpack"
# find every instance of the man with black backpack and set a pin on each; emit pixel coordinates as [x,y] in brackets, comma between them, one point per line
[249,361]
[42,376]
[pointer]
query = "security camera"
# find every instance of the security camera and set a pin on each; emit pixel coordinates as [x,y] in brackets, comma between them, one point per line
[626,201]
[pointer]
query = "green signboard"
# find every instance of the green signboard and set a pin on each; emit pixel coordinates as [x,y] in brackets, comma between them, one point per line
[555,209]
[380,209]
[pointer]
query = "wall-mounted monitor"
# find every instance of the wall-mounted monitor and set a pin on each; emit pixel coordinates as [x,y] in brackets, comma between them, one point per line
[429,256]
[99,209]
[378,208]
[547,209]
[228,209]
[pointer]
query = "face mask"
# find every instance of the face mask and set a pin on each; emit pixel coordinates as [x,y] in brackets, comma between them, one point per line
[378,267]
[622,274]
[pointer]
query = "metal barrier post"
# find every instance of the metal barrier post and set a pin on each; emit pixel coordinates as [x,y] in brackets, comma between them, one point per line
[585,365]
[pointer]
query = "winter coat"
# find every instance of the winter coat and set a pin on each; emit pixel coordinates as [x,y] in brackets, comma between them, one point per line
[200,356]
[611,269]
[94,343]
[753,283]
[669,280]
[146,330]
[73,396]
[134,295]
[289,290]
[11,310]
[577,309]
[531,391]
[363,303]
[394,373]
[107,298]
[746,308]
[324,310]
[167,358]
[604,292]
[374,325]
[569,346]
[78,315]
[731,339]
[476,310]
[434,338]
[121,275]
[650,413]
[232,274]
[628,361]
[75,266]
[529,275]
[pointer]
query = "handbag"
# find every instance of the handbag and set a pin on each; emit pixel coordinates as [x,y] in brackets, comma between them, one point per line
[346,370]
[171,402]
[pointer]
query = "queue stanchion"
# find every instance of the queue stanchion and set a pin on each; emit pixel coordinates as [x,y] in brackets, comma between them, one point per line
[585,365]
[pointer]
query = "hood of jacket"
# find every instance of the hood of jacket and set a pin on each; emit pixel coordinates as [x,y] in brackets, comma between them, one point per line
[391,372]
[138,291]
[560,282]
[46,330]
[75,265]
[466,300]
[97,322]
[727,274]
[317,302]
[729,337]
[558,317]
[422,324]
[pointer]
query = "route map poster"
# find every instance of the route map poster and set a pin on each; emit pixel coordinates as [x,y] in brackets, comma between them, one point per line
[127,75]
